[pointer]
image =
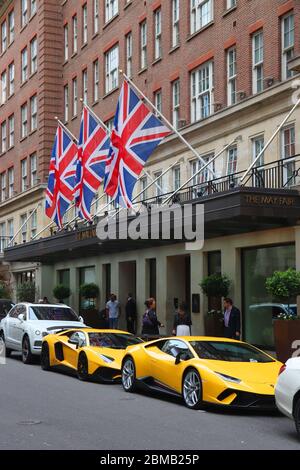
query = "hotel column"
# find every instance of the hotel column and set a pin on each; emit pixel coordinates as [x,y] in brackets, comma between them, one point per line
[197,274]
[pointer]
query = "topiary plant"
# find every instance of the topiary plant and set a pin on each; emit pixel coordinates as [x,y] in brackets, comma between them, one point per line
[216,285]
[284,285]
[90,292]
[61,292]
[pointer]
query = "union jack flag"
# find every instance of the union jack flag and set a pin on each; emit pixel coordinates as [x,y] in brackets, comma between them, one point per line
[93,150]
[136,134]
[61,180]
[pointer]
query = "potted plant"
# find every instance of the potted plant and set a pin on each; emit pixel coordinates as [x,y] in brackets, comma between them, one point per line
[215,287]
[90,292]
[26,292]
[285,286]
[61,292]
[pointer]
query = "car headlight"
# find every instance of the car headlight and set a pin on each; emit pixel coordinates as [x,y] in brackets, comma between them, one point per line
[37,332]
[228,378]
[107,359]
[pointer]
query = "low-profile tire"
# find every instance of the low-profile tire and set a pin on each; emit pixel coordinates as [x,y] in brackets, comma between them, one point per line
[83,368]
[192,390]
[128,375]
[7,352]
[297,417]
[27,356]
[45,357]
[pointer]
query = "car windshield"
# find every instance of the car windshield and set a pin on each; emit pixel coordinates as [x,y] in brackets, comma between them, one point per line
[226,351]
[58,313]
[112,340]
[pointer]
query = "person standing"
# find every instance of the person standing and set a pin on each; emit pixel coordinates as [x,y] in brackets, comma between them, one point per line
[151,324]
[232,320]
[182,321]
[113,312]
[130,310]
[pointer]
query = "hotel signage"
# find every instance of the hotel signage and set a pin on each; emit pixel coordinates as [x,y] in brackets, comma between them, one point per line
[269,200]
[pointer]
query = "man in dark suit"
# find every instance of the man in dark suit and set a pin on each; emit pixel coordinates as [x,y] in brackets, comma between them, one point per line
[232,320]
[130,310]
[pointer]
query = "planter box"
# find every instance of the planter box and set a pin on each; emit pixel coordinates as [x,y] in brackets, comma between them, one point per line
[287,338]
[213,326]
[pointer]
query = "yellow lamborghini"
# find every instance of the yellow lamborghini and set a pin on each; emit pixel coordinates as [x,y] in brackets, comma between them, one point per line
[90,353]
[203,370]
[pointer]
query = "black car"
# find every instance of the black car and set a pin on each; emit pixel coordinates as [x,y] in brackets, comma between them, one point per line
[5,306]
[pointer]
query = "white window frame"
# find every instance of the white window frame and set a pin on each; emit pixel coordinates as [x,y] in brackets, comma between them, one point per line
[96,16]
[143,185]
[11,131]
[287,50]
[24,66]
[23,218]
[33,55]
[230,4]
[202,92]
[4,87]
[24,174]
[258,143]
[33,7]
[143,44]
[11,75]
[24,12]
[231,76]
[3,186]
[96,80]
[74,97]
[66,103]
[3,136]
[85,86]
[176,177]
[258,64]
[111,9]
[11,181]
[157,34]
[176,103]
[11,26]
[3,36]
[232,160]
[33,169]
[66,42]
[201,14]
[33,113]
[75,34]
[112,69]
[175,23]
[158,100]
[10,228]
[33,224]
[24,120]
[84,24]
[129,54]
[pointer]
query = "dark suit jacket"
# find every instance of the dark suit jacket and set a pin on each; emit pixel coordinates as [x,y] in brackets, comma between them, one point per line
[130,309]
[234,323]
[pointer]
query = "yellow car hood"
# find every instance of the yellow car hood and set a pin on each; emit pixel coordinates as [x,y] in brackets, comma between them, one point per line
[117,354]
[248,372]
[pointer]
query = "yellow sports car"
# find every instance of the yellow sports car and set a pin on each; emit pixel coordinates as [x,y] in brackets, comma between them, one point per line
[91,353]
[203,370]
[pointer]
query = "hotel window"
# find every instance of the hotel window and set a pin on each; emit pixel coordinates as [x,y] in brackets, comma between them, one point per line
[195,166]
[3,36]
[111,9]
[23,227]
[287,39]
[230,4]
[24,123]
[112,69]
[3,240]
[11,26]
[84,24]
[176,178]
[129,55]
[110,124]
[143,38]
[257,61]
[11,131]
[66,42]
[33,55]
[3,87]
[33,113]
[201,14]
[201,92]
[231,160]
[157,34]
[75,97]
[3,186]
[96,80]
[11,74]
[33,169]
[231,76]
[258,144]
[159,182]
[288,151]
[3,137]
[143,186]
[24,12]
[11,182]
[96,16]
[158,100]
[24,61]
[85,86]
[33,224]
[75,33]
[24,174]
[10,228]
[175,23]
[175,103]
[32,7]
[66,103]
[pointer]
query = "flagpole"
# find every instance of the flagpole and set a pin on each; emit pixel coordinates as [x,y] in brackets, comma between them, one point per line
[179,135]
[200,170]
[24,224]
[270,141]
[95,116]
[66,129]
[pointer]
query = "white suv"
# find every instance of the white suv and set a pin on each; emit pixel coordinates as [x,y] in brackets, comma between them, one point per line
[287,390]
[26,324]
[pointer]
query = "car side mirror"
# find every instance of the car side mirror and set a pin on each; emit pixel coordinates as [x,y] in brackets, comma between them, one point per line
[75,342]
[81,319]
[21,317]
[178,358]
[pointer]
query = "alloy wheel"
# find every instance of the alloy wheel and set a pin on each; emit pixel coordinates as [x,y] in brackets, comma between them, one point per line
[192,389]
[83,368]
[128,375]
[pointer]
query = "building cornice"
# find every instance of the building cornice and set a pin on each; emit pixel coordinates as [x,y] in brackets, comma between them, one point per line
[23,199]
